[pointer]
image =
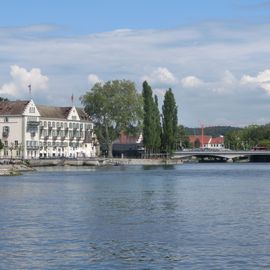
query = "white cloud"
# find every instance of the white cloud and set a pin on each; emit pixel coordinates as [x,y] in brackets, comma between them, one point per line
[204,49]
[160,75]
[191,82]
[21,79]
[262,80]
[93,79]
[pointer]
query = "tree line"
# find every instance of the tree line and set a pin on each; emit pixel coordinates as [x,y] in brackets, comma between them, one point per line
[116,106]
[248,137]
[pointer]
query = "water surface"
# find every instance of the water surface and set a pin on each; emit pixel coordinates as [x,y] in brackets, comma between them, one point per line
[191,216]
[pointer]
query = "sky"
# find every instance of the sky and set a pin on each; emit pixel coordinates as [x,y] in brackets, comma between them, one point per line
[213,54]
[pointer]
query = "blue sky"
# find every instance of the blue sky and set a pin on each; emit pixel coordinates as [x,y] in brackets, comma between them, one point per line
[213,54]
[93,16]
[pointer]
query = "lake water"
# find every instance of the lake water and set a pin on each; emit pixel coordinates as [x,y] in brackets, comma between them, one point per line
[191,216]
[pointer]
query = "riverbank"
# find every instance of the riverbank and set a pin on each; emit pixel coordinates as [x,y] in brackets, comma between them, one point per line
[14,169]
[101,162]
[8,169]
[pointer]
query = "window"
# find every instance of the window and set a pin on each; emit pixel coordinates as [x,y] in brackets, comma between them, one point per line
[6,129]
[6,119]
[53,124]
[16,143]
[74,117]
[32,110]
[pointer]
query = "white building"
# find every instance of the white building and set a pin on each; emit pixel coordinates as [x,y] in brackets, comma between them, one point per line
[38,131]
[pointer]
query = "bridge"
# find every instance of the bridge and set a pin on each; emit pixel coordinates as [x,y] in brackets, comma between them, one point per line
[228,155]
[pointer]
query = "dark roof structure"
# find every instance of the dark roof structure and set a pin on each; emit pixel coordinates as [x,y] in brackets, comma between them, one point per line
[53,112]
[13,107]
[82,114]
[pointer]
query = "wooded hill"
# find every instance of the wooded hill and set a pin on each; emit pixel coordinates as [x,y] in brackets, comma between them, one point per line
[211,131]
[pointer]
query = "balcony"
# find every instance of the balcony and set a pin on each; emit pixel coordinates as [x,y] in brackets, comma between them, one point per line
[32,147]
[33,123]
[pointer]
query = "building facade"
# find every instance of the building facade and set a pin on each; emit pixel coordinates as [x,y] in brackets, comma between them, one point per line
[37,131]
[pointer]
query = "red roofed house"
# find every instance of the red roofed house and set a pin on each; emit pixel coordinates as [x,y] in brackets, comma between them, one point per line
[207,141]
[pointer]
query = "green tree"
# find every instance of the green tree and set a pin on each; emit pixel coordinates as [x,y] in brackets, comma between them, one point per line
[151,120]
[113,107]
[169,120]
[183,139]
[3,99]
[157,127]
[148,117]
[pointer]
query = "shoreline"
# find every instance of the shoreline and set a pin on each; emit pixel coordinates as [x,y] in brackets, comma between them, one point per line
[18,167]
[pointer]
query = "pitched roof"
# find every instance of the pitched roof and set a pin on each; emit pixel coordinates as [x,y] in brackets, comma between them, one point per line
[193,138]
[13,107]
[82,114]
[217,140]
[53,112]
[17,108]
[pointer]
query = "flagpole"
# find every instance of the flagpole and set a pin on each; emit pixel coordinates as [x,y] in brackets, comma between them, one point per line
[72,100]
[30,91]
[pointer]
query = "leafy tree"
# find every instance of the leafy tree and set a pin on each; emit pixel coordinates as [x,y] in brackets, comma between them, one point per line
[248,137]
[197,143]
[169,119]
[183,139]
[3,99]
[114,107]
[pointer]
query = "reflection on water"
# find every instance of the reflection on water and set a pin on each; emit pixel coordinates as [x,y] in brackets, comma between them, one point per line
[202,216]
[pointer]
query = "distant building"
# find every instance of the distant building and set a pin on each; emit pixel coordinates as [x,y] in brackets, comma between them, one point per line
[207,141]
[37,131]
[128,146]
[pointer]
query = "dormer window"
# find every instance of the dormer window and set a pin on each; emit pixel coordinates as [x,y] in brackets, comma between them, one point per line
[74,117]
[32,110]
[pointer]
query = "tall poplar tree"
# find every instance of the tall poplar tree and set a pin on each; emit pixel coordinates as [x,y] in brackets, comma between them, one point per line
[151,121]
[157,127]
[148,117]
[169,121]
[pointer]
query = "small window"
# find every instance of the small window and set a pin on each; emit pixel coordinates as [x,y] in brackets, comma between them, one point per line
[32,110]
[6,119]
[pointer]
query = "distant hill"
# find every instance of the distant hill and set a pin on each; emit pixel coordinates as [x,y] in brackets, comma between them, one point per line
[211,131]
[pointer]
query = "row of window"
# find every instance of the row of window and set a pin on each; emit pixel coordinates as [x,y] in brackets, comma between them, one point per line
[60,144]
[52,144]
[62,133]
[65,125]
